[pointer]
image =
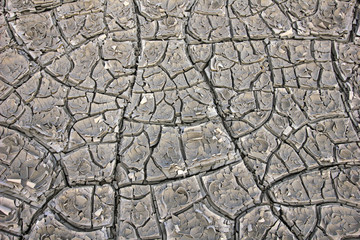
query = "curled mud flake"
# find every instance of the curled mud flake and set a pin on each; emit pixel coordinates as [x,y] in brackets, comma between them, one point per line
[348,152]
[9,219]
[299,51]
[250,52]
[103,209]
[167,153]
[227,194]
[278,50]
[308,75]
[164,113]
[153,172]
[29,89]
[242,104]
[199,26]
[312,187]
[121,51]
[141,107]
[38,32]
[152,53]
[122,13]
[239,30]
[156,82]
[173,197]
[256,223]
[207,146]
[225,95]
[74,204]
[171,28]
[301,9]
[277,21]
[220,28]
[147,28]
[78,107]
[320,103]
[348,52]
[220,63]
[4,32]
[94,25]
[286,104]
[24,6]
[333,216]
[10,146]
[30,170]
[71,29]
[132,128]
[126,231]
[216,7]
[51,125]
[11,109]
[257,28]
[48,226]
[199,222]
[61,67]
[279,125]
[120,86]
[92,128]
[332,18]
[347,184]
[103,154]
[84,58]
[137,153]
[142,213]
[14,215]
[301,219]
[80,20]
[91,164]
[200,54]
[240,8]
[13,66]
[193,110]
[176,60]
[153,9]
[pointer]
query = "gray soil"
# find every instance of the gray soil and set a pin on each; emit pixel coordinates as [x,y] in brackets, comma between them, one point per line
[175,119]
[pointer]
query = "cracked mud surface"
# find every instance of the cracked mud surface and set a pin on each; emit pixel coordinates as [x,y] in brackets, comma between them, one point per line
[207,119]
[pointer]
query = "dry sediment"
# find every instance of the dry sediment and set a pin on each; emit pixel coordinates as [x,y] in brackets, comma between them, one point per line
[142,119]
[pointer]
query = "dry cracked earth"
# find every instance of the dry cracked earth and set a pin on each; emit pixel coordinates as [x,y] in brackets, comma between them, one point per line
[174,119]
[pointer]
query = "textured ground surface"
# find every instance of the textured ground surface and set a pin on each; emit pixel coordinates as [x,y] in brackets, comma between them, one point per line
[206,119]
